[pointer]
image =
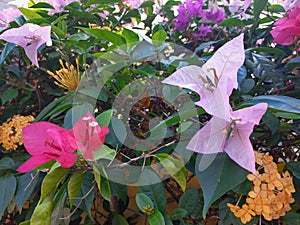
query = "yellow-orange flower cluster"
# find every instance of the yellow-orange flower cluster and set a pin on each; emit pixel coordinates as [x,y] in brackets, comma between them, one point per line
[67,77]
[11,131]
[271,193]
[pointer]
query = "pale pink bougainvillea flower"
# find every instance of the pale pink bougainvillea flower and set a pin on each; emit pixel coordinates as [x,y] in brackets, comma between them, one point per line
[30,37]
[232,137]
[8,15]
[59,5]
[89,135]
[45,142]
[287,28]
[215,80]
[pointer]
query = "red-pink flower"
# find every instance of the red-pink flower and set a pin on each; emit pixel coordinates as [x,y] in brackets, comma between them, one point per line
[287,28]
[89,136]
[45,142]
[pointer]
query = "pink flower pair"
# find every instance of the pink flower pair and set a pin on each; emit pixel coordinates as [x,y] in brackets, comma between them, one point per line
[287,28]
[47,141]
[228,131]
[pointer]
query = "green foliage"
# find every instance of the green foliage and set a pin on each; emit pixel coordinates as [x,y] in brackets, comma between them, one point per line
[8,186]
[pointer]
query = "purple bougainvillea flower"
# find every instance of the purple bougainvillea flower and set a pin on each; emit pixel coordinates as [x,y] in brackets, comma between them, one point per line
[215,13]
[287,28]
[59,5]
[45,142]
[202,31]
[289,4]
[247,3]
[89,135]
[215,80]
[30,37]
[182,20]
[232,137]
[194,8]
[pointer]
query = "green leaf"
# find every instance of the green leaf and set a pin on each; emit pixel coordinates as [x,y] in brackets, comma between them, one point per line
[92,2]
[104,118]
[259,5]
[8,95]
[75,113]
[8,186]
[42,5]
[232,22]
[106,35]
[102,181]
[292,218]
[271,121]
[294,168]
[74,186]
[42,212]
[25,223]
[277,103]
[105,153]
[6,50]
[7,164]
[275,51]
[143,201]
[192,202]
[130,36]
[156,218]
[151,185]
[243,188]
[159,36]
[184,126]
[174,167]
[26,186]
[51,181]
[288,115]
[29,13]
[119,220]
[178,214]
[219,175]
[94,92]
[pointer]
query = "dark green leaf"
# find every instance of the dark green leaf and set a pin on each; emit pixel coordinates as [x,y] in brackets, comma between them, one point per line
[178,214]
[51,181]
[8,95]
[150,184]
[247,85]
[119,220]
[259,5]
[94,92]
[278,103]
[6,50]
[294,167]
[74,186]
[292,218]
[26,186]
[42,212]
[192,202]
[92,2]
[102,181]
[275,51]
[271,121]
[232,22]
[106,35]
[156,218]
[143,201]
[217,174]
[42,5]
[8,186]
[243,188]
[6,164]
[75,113]
[104,118]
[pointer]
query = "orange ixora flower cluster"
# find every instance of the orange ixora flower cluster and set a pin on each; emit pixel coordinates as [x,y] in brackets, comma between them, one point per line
[11,131]
[271,193]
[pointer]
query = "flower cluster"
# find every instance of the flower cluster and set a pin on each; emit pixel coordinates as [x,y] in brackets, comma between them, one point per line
[271,194]
[227,131]
[287,29]
[11,131]
[67,77]
[57,143]
[192,13]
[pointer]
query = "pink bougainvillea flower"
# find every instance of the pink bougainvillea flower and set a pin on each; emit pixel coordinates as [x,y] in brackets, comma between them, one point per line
[289,4]
[59,5]
[232,137]
[215,80]
[133,3]
[8,15]
[30,37]
[287,28]
[89,135]
[247,3]
[45,142]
